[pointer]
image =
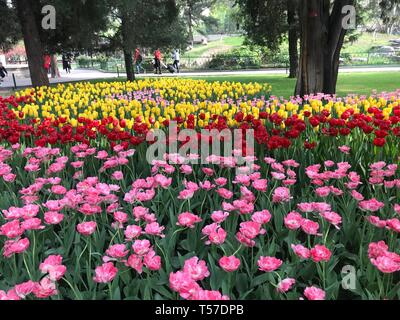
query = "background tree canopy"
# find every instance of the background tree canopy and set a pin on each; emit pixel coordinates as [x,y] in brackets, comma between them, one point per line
[10,32]
[312,29]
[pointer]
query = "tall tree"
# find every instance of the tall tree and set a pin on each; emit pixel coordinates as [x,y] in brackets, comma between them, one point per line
[194,12]
[322,38]
[269,22]
[293,37]
[143,23]
[126,14]
[371,16]
[390,14]
[32,41]
[78,25]
[226,17]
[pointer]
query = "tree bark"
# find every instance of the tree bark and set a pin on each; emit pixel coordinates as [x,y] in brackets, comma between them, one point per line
[126,44]
[130,74]
[322,37]
[190,23]
[312,16]
[33,45]
[335,39]
[293,38]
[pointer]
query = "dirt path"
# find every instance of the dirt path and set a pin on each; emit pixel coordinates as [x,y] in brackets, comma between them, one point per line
[207,56]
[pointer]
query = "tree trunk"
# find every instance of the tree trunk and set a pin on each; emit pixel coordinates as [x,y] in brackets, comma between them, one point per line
[390,28]
[293,38]
[33,45]
[313,39]
[190,24]
[126,44]
[335,42]
[322,37]
[55,72]
[130,74]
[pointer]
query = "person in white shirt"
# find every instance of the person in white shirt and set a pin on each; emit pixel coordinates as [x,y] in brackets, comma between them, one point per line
[176,58]
[3,72]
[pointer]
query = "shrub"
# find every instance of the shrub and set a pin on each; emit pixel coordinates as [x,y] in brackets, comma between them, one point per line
[242,58]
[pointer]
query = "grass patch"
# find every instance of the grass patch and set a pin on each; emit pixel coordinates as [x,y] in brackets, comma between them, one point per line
[201,50]
[348,83]
[361,46]
[366,41]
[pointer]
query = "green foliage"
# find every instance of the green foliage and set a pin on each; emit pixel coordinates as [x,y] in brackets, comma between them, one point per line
[275,58]
[225,14]
[264,21]
[83,61]
[10,31]
[193,12]
[348,83]
[87,62]
[78,25]
[252,57]
[390,14]
[147,23]
[241,58]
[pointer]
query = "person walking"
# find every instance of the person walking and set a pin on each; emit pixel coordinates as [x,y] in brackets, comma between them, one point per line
[66,62]
[69,62]
[138,58]
[176,58]
[55,72]
[157,62]
[3,72]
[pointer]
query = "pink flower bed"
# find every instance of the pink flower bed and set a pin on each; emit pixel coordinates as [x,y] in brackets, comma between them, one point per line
[84,222]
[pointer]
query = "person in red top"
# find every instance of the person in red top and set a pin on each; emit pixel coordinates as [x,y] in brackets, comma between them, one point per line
[157,61]
[138,59]
[47,62]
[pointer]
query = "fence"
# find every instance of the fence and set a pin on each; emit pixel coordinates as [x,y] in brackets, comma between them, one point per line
[234,62]
[188,63]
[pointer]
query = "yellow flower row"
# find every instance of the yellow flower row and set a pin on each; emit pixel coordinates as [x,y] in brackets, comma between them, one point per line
[155,100]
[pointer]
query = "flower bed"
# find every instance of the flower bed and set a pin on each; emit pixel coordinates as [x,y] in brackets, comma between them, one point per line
[314,216]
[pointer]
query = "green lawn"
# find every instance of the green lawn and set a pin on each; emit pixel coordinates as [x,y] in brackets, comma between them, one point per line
[228,43]
[349,83]
[363,43]
[366,41]
[358,83]
[361,46]
[234,41]
[281,85]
